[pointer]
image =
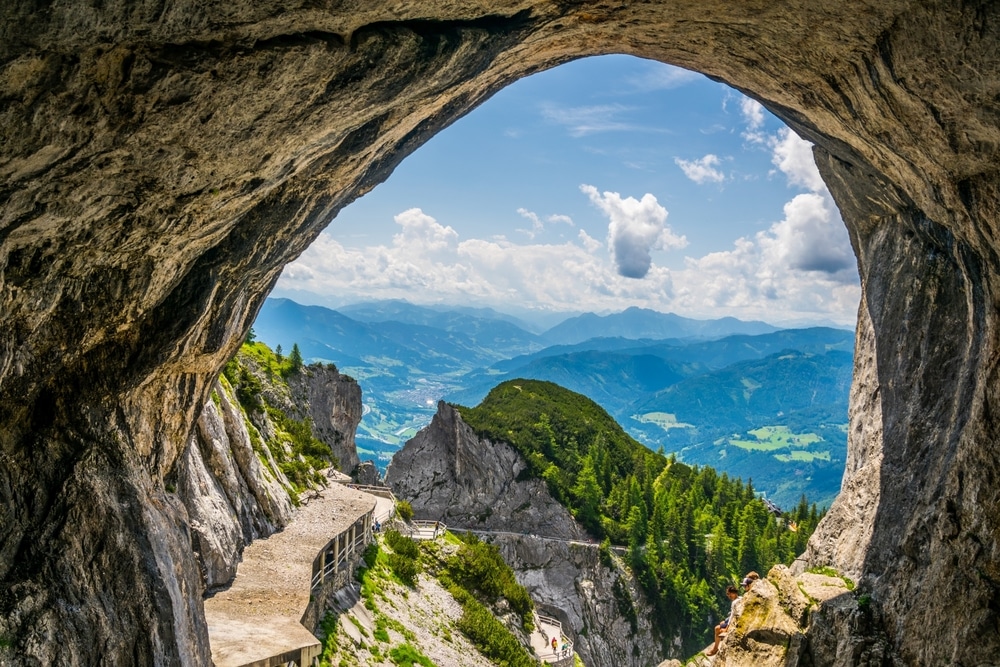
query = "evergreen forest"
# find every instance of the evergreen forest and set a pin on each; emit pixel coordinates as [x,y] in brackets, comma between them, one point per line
[689,531]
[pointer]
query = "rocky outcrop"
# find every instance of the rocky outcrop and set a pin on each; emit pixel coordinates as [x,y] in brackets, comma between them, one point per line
[232,486]
[320,393]
[805,619]
[449,474]
[161,162]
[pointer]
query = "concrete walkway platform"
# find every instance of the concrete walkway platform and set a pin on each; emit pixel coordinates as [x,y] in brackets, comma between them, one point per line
[256,621]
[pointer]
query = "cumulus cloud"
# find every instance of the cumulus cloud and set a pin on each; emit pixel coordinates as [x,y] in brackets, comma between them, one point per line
[753,116]
[422,232]
[702,170]
[811,236]
[589,242]
[636,227]
[793,156]
[537,226]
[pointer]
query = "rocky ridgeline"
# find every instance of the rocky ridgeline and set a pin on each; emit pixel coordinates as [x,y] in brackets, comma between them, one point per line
[448,473]
[229,480]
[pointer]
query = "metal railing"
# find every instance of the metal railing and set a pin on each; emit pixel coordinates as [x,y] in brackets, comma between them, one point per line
[563,651]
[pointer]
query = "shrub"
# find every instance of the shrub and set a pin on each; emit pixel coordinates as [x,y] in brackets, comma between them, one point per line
[328,628]
[491,637]
[405,568]
[404,509]
[478,566]
[406,655]
[402,544]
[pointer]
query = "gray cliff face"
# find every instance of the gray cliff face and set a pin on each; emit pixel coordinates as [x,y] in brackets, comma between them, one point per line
[449,474]
[331,401]
[161,162]
[232,495]
[600,605]
[232,487]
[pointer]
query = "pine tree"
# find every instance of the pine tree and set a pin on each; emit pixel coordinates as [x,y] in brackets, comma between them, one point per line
[295,358]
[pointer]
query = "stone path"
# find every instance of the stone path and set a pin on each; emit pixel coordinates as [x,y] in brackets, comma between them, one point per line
[256,619]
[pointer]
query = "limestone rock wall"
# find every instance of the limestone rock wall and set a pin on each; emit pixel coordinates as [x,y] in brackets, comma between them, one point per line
[233,494]
[161,162]
[228,479]
[600,605]
[449,474]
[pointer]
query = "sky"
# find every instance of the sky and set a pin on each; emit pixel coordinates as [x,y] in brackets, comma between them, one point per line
[604,183]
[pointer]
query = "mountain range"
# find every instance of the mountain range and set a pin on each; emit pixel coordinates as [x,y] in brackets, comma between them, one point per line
[740,396]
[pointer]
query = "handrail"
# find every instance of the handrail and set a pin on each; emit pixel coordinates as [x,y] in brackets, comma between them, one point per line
[361,539]
[564,651]
[550,621]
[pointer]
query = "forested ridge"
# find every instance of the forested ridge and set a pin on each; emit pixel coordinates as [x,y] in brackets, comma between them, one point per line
[690,532]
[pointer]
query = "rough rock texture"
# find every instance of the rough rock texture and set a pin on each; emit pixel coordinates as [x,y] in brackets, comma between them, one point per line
[319,393]
[367,473]
[232,497]
[334,406]
[161,161]
[596,603]
[232,487]
[448,474]
[805,619]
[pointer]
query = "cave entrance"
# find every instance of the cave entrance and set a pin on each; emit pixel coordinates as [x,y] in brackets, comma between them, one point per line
[162,168]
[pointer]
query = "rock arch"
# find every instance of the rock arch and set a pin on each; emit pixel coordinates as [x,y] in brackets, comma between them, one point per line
[161,161]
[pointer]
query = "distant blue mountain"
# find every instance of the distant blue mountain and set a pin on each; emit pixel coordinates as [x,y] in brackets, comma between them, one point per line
[618,372]
[324,334]
[643,323]
[450,318]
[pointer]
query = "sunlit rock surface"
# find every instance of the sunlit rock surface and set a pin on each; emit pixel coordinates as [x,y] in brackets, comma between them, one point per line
[160,163]
[448,473]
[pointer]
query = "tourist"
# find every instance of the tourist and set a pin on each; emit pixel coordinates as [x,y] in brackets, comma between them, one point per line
[722,628]
[749,580]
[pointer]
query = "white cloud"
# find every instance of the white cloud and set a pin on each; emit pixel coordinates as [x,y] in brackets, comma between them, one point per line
[658,76]
[793,156]
[582,121]
[811,236]
[702,170]
[422,232]
[780,275]
[753,115]
[536,223]
[636,227]
[589,242]
[537,226]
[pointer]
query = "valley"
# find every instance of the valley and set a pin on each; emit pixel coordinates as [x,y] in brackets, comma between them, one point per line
[749,400]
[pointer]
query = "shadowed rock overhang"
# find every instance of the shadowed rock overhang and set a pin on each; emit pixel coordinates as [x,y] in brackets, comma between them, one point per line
[160,162]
